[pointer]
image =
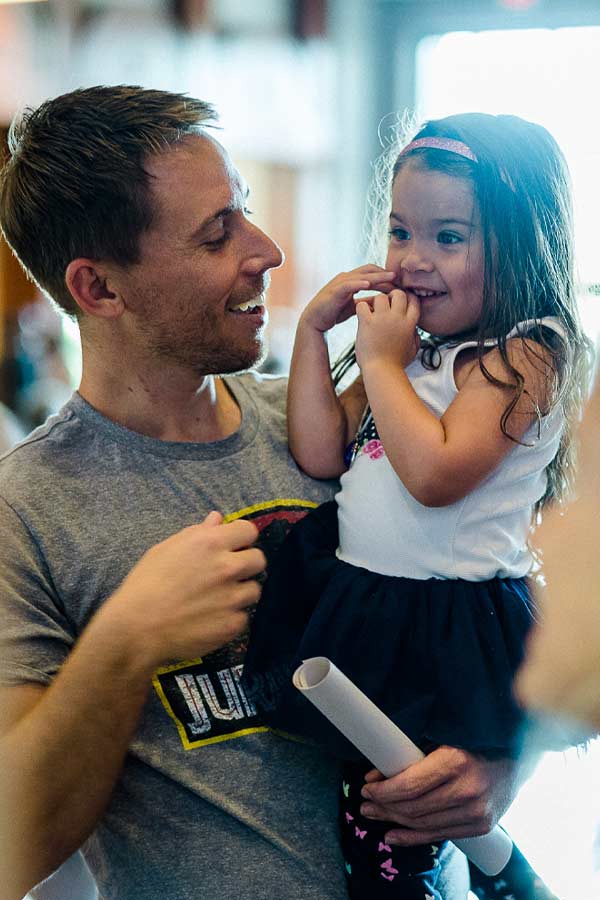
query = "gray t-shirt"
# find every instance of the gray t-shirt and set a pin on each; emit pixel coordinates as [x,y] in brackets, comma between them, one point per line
[210,805]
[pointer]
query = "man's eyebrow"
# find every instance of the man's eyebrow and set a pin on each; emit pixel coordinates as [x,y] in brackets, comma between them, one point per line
[220,214]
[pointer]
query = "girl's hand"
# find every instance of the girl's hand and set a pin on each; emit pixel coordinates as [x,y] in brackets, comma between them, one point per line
[335,302]
[387,329]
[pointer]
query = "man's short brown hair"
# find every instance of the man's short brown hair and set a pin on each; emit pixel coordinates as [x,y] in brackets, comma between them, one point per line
[75,183]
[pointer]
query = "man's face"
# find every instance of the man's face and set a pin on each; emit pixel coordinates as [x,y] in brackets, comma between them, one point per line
[201,260]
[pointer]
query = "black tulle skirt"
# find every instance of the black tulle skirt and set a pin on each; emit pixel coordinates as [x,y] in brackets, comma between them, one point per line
[438,656]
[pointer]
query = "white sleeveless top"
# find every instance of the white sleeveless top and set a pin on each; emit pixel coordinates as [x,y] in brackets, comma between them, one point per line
[483,535]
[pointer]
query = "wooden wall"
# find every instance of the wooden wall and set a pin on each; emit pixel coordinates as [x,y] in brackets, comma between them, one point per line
[15,288]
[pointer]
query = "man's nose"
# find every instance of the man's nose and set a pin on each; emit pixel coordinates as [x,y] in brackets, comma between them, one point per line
[265,253]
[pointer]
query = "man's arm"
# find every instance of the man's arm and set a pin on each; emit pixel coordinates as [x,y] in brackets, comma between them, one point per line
[63,747]
[61,755]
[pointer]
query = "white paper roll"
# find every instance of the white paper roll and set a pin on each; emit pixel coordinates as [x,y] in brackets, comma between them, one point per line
[384,744]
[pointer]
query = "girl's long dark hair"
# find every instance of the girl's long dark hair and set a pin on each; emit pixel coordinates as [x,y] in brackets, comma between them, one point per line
[522,185]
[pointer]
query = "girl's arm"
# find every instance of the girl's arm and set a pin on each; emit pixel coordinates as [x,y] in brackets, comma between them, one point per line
[321,423]
[441,460]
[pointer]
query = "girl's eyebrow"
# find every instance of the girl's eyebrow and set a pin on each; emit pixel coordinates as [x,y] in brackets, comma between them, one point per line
[456,221]
[449,221]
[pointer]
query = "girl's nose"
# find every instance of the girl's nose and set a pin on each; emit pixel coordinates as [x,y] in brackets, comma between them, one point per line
[416,260]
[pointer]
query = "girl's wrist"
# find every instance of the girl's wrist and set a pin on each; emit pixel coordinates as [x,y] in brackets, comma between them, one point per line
[372,366]
[307,325]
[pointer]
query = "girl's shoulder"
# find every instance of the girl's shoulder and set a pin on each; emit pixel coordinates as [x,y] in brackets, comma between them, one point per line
[528,348]
[527,364]
[530,328]
[526,352]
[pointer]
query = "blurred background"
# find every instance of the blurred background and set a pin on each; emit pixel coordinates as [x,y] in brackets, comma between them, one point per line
[304,87]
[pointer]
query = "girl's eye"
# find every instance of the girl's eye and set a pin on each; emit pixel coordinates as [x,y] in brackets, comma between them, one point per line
[449,237]
[399,234]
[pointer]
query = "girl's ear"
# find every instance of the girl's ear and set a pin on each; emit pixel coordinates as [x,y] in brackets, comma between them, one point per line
[87,281]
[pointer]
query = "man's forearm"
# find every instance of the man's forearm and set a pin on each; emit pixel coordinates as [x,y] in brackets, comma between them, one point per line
[63,750]
[60,761]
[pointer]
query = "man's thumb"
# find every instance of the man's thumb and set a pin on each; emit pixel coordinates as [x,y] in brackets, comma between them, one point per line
[213,518]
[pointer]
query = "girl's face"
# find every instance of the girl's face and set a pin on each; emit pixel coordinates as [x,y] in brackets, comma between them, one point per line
[436,248]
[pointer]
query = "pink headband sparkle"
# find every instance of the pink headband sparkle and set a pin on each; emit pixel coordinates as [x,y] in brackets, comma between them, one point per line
[441,143]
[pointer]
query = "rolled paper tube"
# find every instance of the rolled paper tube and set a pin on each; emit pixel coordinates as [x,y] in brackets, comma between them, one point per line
[384,744]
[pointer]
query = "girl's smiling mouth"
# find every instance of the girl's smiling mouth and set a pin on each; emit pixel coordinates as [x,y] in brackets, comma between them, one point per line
[422,293]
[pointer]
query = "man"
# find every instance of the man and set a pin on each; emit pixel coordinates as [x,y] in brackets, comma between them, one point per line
[124,594]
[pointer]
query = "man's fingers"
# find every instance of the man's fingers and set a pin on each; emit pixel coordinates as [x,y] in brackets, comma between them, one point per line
[448,794]
[404,837]
[461,820]
[237,535]
[413,782]
[251,562]
[248,594]
[407,837]
[429,804]
[374,775]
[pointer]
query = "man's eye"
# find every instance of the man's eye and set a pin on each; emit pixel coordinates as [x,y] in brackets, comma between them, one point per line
[248,212]
[399,234]
[218,243]
[449,237]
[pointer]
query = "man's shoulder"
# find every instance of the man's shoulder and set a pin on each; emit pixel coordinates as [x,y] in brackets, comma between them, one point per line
[266,395]
[38,452]
[264,386]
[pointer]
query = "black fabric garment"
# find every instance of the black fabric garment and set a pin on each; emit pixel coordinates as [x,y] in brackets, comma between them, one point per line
[438,656]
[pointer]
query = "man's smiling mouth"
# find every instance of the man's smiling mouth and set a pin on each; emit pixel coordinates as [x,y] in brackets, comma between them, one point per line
[254,305]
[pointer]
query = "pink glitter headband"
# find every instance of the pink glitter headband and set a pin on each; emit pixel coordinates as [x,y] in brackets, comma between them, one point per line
[441,143]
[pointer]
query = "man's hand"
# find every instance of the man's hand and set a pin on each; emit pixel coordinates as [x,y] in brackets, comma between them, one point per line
[189,594]
[186,596]
[449,794]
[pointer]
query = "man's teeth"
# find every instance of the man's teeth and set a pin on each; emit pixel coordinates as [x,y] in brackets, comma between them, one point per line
[248,304]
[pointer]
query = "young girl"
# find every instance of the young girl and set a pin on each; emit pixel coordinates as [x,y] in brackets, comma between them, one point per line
[451,439]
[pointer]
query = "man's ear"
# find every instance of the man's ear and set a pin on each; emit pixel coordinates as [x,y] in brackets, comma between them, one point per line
[86,279]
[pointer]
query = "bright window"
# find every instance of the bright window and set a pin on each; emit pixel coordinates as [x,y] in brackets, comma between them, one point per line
[547,76]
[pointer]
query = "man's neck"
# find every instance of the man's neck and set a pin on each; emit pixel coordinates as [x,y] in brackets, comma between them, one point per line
[175,407]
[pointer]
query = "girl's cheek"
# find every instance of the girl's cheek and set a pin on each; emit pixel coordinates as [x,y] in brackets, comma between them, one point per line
[392,261]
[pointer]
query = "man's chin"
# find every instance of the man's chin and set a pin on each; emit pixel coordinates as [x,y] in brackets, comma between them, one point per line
[245,362]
